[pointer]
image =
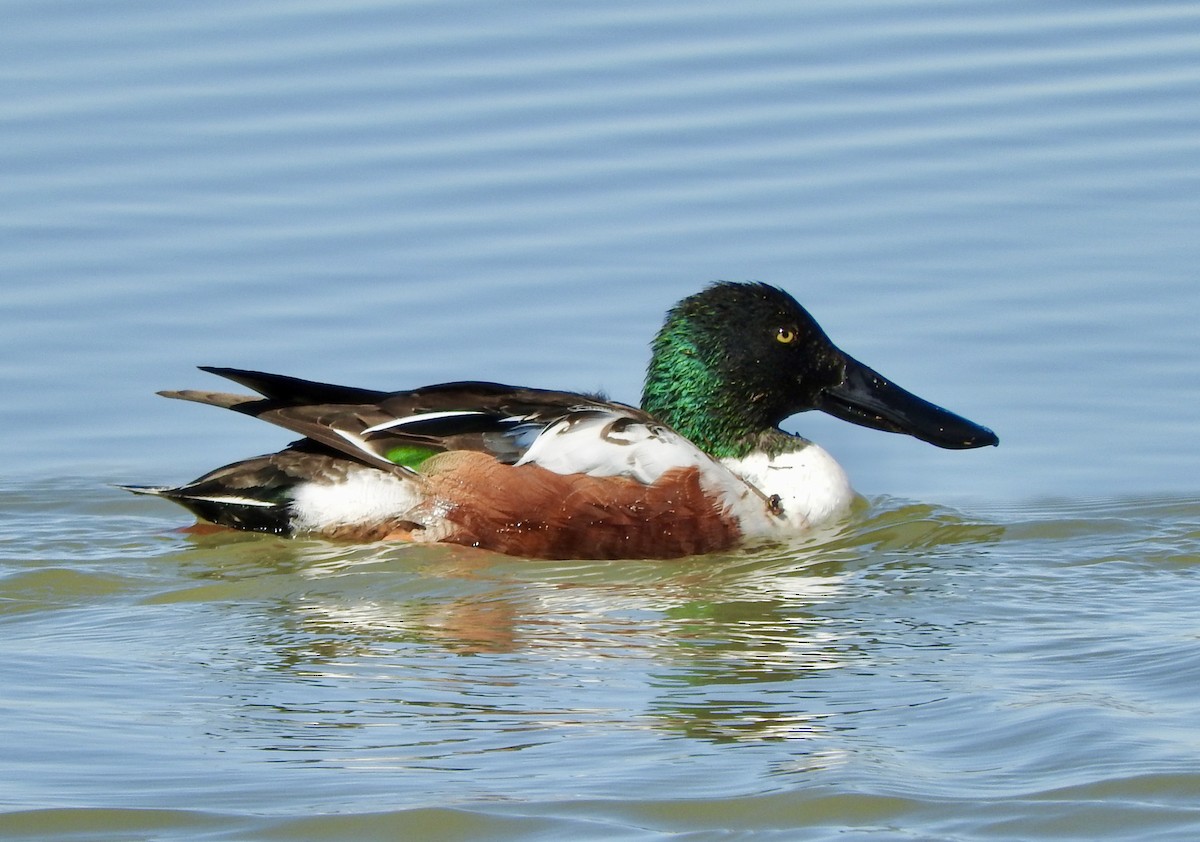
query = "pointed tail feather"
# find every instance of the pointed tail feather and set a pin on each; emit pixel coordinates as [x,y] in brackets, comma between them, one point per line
[225,400]
[150,490]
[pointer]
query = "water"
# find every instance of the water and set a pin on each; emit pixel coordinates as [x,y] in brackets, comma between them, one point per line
[993,204]
[917,672]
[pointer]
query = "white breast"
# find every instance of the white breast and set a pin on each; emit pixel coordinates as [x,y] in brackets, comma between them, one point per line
[811,486]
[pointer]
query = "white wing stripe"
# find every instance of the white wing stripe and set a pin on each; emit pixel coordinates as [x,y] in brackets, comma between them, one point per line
[423,416]
[354,440]
[231,501]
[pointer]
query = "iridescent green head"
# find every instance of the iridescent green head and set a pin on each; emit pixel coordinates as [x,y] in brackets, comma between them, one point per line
[733,361]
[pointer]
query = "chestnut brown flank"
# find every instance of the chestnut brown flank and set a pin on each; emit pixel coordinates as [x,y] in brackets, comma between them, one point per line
[529,511]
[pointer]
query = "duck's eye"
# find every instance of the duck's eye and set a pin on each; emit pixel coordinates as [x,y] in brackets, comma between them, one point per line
[785,335]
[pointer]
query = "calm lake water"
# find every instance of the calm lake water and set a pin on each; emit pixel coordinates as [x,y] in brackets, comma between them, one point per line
[994,204]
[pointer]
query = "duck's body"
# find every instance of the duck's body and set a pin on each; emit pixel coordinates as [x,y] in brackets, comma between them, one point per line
[702,467]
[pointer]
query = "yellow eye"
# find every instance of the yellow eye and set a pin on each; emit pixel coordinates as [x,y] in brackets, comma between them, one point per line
[785,335]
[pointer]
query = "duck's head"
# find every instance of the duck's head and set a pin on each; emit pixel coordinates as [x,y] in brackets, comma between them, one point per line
[733,361]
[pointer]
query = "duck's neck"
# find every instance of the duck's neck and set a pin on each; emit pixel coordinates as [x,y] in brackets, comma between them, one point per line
[686,390]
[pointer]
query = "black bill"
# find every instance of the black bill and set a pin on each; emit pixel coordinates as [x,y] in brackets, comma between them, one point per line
[867,398]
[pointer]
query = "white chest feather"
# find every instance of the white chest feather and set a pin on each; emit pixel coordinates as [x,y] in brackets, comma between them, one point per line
[810,485]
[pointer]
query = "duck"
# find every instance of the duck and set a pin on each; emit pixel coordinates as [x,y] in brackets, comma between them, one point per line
[701,466]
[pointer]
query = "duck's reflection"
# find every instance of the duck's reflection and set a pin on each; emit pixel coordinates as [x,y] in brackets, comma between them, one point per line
[716,648]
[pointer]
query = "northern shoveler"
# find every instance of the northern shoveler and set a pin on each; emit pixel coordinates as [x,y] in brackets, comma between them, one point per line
[700,467]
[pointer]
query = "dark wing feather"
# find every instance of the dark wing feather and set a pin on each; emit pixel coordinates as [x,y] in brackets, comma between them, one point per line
[293,390]
[367,425]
